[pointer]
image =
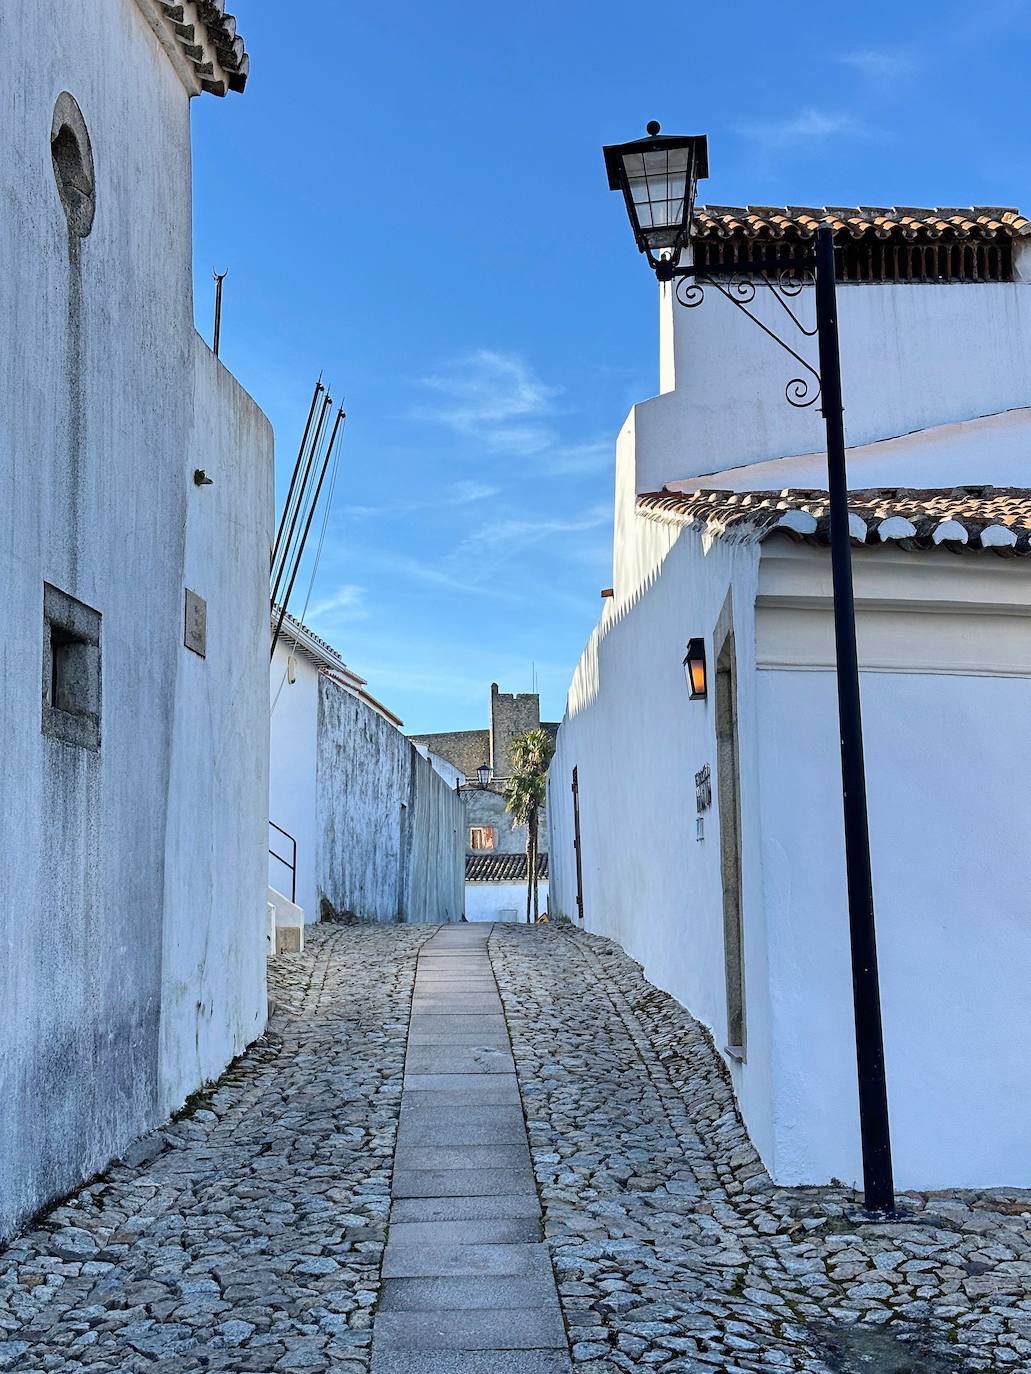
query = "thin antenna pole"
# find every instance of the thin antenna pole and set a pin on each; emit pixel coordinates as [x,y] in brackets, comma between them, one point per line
[304,537]
[297,467]
[320,428]
[219,279]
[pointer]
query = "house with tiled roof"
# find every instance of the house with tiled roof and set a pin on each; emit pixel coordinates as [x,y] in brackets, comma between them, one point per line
[695,796]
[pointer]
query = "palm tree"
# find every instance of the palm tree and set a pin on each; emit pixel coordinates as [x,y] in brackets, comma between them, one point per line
[524,796]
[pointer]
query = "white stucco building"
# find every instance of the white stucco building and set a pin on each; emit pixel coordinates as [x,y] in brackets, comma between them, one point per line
[378,832]
[738,906]
[132,794]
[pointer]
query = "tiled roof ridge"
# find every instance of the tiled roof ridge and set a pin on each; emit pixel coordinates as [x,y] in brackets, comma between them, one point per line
[858,221]
[501,868]
[220,31]
[291,623]
[955,518]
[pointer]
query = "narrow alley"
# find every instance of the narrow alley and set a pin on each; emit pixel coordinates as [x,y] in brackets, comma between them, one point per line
[330,1205]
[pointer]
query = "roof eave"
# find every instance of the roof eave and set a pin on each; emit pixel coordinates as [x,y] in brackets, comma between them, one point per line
[201,42]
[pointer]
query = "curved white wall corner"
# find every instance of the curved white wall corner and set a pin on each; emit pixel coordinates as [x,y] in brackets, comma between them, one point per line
[133,894]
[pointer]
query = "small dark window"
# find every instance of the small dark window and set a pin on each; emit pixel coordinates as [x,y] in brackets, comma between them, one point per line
[71,669]
[73,165]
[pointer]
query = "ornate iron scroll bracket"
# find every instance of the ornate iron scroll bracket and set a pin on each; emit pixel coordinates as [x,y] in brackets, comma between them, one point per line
[785,282]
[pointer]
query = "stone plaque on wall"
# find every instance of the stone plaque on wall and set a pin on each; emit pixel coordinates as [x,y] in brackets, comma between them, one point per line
[196,636]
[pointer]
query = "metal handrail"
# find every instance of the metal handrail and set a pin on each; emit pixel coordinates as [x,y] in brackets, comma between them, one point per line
[292,866]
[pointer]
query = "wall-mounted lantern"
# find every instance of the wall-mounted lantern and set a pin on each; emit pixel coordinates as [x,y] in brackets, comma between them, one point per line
[484,774]
[694,669]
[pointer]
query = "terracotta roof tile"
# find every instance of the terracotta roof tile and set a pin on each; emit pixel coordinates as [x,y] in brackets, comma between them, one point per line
[501,868]
[904,221]
[220,33]
[956,518]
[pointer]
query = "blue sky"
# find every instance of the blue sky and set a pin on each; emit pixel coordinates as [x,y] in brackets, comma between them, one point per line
[411,198]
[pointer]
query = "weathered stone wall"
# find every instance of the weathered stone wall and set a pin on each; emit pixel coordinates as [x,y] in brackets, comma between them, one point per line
[391,832]
[131,905]
[466,749]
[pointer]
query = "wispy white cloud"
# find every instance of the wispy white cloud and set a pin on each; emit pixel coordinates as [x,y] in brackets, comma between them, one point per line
[498,401]
[579,459]
[464,493]
[495,398]
[808,125]
[461,493]
[515,534]
[347,602]
[879,65]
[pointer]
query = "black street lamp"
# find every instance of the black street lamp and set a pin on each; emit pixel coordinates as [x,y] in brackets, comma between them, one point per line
[483,773]
[658,176]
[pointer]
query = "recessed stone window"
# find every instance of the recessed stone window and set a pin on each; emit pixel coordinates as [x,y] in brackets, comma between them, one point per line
[72,157]
[71,669]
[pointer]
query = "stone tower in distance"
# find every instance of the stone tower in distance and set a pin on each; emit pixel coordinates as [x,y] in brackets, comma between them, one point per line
[511,714]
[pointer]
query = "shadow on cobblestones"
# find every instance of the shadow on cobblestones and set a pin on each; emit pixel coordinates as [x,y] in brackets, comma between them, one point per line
[862,1350]
[246,1234]
[673,1248]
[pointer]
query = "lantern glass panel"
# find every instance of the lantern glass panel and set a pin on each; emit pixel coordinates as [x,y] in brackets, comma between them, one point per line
[657,181]
[697,668]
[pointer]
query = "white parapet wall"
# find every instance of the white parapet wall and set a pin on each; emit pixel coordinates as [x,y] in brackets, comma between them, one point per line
[288,923]
[501,901]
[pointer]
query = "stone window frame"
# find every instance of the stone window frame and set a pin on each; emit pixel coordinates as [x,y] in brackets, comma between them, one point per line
[72,689]
[728,785]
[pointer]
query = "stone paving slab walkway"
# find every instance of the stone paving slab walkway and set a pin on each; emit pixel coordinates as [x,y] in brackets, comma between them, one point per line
[467,1283]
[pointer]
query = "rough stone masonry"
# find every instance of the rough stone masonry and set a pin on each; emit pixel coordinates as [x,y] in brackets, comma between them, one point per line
[255,1232]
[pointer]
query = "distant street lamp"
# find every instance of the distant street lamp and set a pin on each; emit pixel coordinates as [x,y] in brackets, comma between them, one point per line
[484,774]
[658,176]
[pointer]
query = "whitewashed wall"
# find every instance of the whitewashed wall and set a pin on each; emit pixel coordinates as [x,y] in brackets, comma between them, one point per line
[131,912]
[637,741]
[496,901]
[292,774]
[946,763]
[724,387]
[945,644]
[391,829]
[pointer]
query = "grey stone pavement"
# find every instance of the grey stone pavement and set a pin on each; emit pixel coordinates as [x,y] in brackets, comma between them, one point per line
[465,1150]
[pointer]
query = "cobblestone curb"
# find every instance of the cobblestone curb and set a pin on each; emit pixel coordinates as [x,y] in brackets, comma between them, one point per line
[247,1234]
[673,1248]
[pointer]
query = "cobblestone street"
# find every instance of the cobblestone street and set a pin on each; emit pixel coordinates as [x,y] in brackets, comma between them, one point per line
[249,1234]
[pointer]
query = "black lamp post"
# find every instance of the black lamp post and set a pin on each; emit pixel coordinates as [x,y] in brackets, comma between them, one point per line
[483,773]
[658,176]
